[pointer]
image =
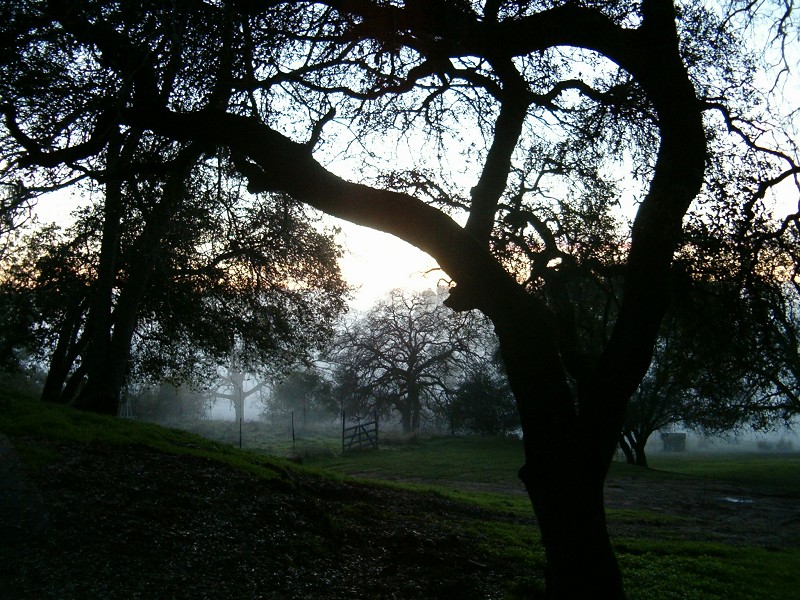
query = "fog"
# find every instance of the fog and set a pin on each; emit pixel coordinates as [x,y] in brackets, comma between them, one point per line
[780,439]
[223,410]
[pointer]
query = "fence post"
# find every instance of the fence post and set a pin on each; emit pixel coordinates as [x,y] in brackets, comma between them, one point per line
[294,448]
[342,432]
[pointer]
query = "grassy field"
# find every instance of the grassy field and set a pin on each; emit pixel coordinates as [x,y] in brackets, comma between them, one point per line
[491,461]
[759,470]
[655,567]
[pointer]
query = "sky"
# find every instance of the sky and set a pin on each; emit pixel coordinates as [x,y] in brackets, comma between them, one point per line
[375,263]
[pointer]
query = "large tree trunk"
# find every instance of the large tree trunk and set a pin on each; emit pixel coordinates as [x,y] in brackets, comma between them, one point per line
[68,348]
[414,406]
[107,372]
[564,474]
[570,510]
[237,393]
[567,454]
[405,418]
[99,321]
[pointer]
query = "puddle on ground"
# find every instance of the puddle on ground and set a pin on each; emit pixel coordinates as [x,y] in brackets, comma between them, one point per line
[737,500]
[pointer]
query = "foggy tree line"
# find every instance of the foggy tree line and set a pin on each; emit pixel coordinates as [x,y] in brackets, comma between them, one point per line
[576,169]
[412,363]
[714,368]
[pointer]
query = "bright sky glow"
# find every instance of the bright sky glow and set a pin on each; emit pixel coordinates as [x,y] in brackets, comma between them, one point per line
[375,263]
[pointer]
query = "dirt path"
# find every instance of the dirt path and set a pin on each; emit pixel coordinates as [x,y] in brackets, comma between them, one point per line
[694,509]
[711,510]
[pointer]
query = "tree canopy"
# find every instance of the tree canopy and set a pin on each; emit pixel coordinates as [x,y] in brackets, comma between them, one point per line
[406,355]
[223,282]
[517,143]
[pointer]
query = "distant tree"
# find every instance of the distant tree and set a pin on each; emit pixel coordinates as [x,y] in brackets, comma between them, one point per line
[405,353]
[677,391]
[702,372]
[483,403]
[236,386]
[307,393]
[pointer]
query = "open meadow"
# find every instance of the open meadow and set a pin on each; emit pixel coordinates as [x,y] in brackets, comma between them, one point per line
[110,508]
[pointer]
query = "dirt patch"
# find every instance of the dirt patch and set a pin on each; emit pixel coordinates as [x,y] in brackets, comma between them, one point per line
[707,510]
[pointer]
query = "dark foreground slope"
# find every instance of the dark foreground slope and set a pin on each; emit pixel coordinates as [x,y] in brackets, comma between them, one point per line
[110,519]
[93,507]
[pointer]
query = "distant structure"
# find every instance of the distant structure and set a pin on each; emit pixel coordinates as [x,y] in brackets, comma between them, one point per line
[673,442]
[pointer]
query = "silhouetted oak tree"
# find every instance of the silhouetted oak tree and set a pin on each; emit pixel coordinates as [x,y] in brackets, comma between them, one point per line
[405,355]
[225,274]
[519,117]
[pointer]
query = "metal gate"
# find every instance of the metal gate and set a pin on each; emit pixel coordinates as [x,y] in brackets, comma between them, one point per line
[361,435]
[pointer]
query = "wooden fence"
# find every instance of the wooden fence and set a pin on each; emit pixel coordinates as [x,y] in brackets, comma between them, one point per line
[361,435]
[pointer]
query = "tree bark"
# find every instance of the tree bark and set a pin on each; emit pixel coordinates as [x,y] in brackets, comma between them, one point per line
[567,456]
[633,445]
[74,383]
[405,419]
[627,450]
[107,372]
[99,321]
[69,345]
[570,511]
[414,406]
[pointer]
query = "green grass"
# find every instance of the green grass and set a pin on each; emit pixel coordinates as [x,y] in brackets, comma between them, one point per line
[655,569]
[663,568]
[456,469]
[769,471]
[463,459]
[659,569]
[39,425]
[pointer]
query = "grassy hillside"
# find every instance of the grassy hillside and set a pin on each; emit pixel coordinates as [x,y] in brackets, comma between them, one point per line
[37,427]
[136,510]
